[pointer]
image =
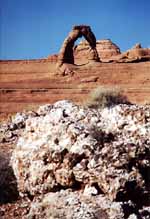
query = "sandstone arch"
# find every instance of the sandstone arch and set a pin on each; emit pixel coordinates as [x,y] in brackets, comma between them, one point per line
[66,52]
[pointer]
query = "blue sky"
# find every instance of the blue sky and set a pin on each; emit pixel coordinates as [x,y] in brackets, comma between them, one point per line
[32,29]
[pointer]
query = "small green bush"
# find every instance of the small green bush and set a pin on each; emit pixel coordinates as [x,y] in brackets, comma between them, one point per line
[102,97]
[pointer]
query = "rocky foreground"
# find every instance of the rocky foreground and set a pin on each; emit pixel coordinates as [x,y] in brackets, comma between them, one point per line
[74,162]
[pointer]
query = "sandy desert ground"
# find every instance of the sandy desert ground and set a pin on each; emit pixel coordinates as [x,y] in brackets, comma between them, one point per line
[26,84]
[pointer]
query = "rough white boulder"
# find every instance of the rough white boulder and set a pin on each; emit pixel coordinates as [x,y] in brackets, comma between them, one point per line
[69,146]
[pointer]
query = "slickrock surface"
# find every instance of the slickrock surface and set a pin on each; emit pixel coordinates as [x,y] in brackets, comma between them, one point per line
[75,162]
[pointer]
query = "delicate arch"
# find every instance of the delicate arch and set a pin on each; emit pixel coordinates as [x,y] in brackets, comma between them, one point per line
[66,51]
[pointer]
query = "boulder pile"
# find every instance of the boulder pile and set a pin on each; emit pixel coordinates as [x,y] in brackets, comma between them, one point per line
[75,162]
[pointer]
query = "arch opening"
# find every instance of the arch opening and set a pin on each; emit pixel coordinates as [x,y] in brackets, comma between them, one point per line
[66,54]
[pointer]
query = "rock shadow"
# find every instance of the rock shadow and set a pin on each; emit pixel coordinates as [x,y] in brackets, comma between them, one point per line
[8,184]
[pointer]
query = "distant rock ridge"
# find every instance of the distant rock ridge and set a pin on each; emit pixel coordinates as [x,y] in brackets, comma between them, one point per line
[108,52]
[53,58]
[135,54]
[105,48]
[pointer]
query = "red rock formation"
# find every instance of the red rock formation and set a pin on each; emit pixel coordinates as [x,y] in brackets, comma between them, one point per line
[66,55]
[52,58]
[135,54]
[109,52]
[105,48]
[26,83]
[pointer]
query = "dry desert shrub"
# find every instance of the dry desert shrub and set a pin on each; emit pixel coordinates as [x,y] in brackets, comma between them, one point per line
[31,107]
[102,97]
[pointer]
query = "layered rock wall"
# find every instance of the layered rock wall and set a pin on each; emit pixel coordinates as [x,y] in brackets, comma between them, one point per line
[110,52]
[106,49]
